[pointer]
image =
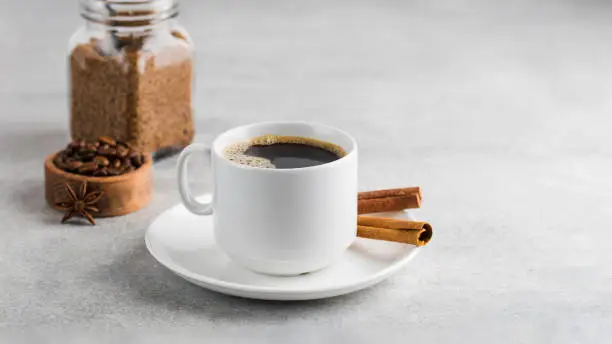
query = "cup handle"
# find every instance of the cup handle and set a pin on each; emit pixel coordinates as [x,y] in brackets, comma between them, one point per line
[191,203]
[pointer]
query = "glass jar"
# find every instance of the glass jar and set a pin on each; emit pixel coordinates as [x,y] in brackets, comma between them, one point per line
[131,72]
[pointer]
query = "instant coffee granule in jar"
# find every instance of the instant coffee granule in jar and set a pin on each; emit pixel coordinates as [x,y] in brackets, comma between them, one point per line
[131,71]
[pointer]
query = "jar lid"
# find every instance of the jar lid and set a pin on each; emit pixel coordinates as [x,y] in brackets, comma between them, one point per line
[128,12]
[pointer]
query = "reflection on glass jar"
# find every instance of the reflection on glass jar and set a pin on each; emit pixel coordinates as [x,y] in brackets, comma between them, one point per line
[131,71]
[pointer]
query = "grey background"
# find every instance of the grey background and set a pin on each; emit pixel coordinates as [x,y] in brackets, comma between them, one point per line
[500,110]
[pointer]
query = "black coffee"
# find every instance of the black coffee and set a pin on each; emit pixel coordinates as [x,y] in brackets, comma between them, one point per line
[272,151]
[292,155]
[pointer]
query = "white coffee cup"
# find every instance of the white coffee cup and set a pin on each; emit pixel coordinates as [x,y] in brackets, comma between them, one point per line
[279,221]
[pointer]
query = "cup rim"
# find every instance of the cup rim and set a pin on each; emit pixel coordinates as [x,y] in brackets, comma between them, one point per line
[350,153]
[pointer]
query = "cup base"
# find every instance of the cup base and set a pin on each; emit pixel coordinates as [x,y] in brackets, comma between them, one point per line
[283,268]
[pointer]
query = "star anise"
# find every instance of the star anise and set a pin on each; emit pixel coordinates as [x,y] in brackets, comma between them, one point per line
[82,204]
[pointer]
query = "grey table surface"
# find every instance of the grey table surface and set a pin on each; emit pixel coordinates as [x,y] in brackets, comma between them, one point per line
[500,110]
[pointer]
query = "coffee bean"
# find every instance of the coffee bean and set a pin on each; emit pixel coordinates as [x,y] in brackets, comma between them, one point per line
[105,157]
[122,151]
[85,156]
[107,151]
[107,140]
[136,159]
[101,160]
[77,143]
[88,167]
[101,172]
[114,171]
[75,164]
[125,144]
[59,162]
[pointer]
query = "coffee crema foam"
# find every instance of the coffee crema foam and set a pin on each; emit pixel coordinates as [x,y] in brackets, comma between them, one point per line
[236,151]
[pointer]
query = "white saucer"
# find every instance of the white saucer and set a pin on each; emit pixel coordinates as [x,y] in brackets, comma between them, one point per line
[184,243]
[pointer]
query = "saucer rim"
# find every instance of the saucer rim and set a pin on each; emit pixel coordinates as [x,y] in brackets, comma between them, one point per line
[189,275]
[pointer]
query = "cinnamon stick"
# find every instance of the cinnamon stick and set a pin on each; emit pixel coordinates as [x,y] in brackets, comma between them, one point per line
[403,231]
[389,200]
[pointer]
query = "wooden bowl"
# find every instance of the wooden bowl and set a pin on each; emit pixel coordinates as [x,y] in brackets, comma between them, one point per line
[123,194]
